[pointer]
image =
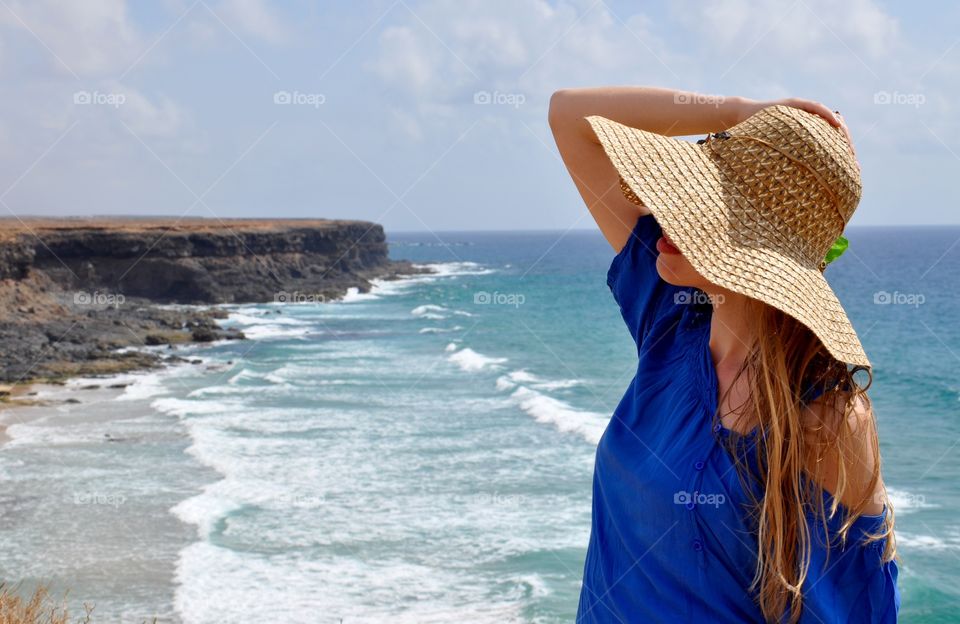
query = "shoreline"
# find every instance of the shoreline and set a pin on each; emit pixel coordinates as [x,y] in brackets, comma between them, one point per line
[75,338]
[21,395]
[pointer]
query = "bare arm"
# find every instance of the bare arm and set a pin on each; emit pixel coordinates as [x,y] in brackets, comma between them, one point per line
[664,111]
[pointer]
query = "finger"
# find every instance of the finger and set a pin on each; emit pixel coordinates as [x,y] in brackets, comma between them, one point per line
[849,137]
[819,109]
[815,108]
[831,116]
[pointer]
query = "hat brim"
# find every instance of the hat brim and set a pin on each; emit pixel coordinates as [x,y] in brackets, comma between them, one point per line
[697,204]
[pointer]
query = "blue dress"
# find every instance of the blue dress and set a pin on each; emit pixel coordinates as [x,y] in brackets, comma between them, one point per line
[670,538]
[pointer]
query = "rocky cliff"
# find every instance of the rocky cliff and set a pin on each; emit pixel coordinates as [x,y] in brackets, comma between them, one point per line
[73,291]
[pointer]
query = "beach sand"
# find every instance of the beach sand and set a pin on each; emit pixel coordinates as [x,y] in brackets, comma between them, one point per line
[78,459]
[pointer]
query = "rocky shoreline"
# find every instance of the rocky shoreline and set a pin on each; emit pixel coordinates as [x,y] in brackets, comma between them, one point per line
[80,297]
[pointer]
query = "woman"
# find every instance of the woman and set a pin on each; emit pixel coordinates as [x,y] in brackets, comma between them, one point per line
[739,478]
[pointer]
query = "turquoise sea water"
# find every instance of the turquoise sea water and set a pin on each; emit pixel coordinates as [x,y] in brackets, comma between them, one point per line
[424,453]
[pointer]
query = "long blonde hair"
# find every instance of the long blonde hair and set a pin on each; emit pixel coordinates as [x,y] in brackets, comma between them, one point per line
[786,362]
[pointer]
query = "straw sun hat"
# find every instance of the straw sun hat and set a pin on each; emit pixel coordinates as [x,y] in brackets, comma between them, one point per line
[754,209]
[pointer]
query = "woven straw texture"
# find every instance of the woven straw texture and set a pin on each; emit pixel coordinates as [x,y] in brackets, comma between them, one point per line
[754,209]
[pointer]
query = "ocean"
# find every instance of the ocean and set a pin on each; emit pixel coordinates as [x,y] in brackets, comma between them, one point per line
[423,453]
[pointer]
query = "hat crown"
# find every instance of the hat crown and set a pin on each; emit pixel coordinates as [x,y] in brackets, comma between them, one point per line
[799,171]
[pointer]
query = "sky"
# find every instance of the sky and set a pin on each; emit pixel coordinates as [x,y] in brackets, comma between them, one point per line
[432,114]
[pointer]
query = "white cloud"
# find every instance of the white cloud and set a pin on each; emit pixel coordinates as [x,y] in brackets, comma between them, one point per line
[811,30]
[408,125]
[255,18]
[162,117]
[91,38]
[443,53]
[406,60]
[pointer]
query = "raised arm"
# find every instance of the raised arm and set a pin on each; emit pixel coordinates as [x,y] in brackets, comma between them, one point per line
[665,111]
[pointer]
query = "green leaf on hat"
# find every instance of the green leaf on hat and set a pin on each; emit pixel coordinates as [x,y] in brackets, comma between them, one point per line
[839,246]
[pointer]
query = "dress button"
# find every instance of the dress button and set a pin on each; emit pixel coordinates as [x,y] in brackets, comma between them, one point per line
[699,465]
[717,427]
[690,505]
[698,545]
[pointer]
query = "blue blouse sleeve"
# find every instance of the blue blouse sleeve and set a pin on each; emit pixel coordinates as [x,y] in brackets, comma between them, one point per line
[850,584]
[633,279]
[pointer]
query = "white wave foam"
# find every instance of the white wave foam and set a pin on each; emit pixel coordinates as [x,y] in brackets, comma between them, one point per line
[440,330]
[247,374]
[41,433]
[146,387]
[266,332]
[561,384]
[453,269]
[138,385]
[530,586]
[428,308]
[184,408]
[217,584]
[471,361]
[248,319]
[436,312]
[354,295]
[383,287]
[204,510]
[561,415]
[267,326]
[906,502]
[522,376]
[928,542]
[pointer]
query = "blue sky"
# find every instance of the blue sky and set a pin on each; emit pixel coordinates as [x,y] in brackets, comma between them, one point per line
[379,110]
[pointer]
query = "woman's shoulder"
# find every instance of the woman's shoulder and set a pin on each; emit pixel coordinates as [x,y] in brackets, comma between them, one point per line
[851,465]
[639,245]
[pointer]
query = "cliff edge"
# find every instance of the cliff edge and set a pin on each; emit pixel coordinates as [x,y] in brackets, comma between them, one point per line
[74,291]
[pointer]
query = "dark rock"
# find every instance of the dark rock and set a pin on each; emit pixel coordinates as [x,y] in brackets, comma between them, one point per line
[204,334]
[155,339]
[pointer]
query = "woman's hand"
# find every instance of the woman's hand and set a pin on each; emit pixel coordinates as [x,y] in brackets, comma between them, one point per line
[749,107]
